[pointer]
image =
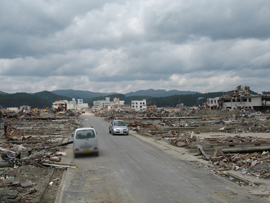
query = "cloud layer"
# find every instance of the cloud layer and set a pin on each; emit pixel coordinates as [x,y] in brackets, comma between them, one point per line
[123,45]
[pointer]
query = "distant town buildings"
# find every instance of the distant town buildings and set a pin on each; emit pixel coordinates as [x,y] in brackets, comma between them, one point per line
[138,105]
[101,104]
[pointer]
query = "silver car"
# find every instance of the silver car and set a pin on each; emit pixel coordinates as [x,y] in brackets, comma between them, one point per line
[118,127]
[85,141]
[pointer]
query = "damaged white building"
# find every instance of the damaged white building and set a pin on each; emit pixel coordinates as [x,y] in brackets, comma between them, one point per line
[63,105]
[139,105]
[240,99]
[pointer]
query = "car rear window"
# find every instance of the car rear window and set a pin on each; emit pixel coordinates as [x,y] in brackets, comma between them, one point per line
[83,134]
[119,123]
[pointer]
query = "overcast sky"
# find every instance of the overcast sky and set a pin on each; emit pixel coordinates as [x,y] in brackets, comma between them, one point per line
[129,45]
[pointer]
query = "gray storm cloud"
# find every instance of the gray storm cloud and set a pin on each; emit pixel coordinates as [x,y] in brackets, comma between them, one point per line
[125,45]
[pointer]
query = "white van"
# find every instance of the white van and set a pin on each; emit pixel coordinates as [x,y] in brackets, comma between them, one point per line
[85,141]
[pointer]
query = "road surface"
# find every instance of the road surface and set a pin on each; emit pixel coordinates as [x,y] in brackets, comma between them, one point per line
[131,170]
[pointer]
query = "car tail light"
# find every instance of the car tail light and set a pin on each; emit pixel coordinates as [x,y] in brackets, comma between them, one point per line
[95,148]
[76,149]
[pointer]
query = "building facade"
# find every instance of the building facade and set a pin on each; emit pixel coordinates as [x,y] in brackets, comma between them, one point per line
[139,105]
[240,99]
[213,103]
[255,102]
[63,105]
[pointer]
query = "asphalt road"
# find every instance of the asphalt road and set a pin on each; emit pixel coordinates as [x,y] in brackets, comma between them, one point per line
[131,170]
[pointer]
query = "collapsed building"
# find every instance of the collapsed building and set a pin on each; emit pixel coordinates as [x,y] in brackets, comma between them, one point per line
[240,99]
[25,108]
[59,105]
[64,105]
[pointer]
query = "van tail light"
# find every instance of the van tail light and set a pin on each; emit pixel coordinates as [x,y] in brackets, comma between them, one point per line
[95,148]
[76,149]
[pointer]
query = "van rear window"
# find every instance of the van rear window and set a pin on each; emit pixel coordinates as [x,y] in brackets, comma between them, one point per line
[83,134]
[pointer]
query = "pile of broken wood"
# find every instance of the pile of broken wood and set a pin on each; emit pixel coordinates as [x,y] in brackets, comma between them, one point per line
[16,149]
[224,154]
[38,158]
[257,164]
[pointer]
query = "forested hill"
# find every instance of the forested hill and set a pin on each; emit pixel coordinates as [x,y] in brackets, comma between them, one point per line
[78,94]
[159,93]
[40,100]
[3,92]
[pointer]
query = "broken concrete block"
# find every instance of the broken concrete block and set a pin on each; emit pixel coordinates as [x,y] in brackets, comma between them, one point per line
[60,153]
[181,144]
[27,184]
[31,190]
[55,158]
[9,194]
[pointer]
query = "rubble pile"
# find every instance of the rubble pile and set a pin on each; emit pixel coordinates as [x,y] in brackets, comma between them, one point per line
[201,120]
[256,164]
[191,141]
[115,114]
[31,153]
[194,119]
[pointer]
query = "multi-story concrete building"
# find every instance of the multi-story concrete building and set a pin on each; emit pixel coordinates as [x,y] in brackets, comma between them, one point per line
[71,104]
[139,105]
[213,103]
[256,102]
[240,99]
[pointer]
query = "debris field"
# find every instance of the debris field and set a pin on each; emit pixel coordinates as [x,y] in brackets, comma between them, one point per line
[31,147]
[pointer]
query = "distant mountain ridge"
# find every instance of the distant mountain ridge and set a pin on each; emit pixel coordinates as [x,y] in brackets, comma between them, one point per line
[79,94]
[3,92]
[159,93]
[150,92]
